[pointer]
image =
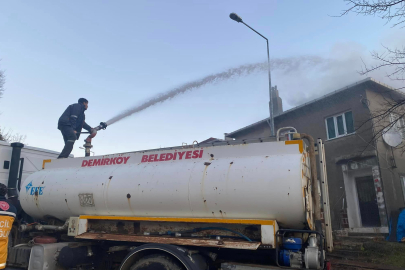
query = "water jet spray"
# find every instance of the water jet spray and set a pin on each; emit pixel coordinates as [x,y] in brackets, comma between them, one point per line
[287,65]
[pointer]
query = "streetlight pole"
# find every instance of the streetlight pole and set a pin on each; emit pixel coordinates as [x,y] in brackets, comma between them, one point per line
[238,19]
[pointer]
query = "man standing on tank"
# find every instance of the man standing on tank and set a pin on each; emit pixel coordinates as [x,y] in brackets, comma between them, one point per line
[71,123]
[8,213]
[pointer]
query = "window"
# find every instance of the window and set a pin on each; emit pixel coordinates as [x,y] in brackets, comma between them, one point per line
[339,125]
[287,135]
[399,123]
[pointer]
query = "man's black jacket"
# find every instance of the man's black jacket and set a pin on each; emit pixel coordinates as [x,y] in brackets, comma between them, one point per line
[74,116]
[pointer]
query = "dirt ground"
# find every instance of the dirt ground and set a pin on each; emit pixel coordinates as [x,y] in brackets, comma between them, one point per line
[372,255]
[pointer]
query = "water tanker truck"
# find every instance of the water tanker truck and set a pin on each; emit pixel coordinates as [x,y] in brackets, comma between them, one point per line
[251,204]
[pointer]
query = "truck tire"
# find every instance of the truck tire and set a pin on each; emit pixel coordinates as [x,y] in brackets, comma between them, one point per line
[157,262]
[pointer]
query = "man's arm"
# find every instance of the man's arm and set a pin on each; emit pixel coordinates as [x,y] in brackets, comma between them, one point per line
[87,127]
[74,114]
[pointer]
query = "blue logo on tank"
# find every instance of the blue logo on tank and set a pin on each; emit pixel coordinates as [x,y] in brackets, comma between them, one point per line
[32,190]
[27,187]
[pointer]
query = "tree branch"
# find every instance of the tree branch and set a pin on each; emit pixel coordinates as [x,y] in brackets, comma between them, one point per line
[385,9]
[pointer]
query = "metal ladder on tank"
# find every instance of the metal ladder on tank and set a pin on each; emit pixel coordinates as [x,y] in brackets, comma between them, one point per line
[325,196]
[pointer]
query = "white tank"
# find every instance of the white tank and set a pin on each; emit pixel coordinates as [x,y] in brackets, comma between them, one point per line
[246,181]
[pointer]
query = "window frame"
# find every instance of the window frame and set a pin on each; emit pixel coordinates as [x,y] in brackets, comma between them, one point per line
[290,136]
[336,125]
[399,123]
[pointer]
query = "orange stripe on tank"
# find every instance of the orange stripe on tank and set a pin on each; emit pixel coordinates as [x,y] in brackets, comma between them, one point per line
[188,220]
[299,142]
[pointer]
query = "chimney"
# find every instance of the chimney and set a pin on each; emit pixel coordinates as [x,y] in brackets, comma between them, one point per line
[277,101]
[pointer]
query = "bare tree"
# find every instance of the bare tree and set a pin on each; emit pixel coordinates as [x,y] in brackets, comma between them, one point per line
[9,136]
[393,59]
[391,112]
[2,81]
[386,9]
[389,10]
[388,114]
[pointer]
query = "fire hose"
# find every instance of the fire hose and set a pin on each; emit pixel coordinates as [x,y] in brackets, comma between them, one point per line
[87,142]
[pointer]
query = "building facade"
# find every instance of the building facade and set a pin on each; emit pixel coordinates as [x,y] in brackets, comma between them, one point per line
[366,176]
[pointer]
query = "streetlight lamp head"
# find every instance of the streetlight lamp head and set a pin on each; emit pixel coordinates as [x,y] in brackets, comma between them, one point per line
[235,17]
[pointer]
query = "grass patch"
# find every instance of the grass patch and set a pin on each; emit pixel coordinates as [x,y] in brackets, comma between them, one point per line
[387,253]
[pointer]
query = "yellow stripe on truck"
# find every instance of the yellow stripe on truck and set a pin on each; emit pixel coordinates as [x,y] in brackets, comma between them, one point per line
[299,142]
[45,161]
[188,220]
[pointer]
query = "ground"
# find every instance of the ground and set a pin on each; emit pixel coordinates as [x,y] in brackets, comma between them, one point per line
[367,253]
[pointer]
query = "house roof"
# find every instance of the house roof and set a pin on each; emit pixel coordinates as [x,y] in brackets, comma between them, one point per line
[34,148]
[211,140]
[313,101]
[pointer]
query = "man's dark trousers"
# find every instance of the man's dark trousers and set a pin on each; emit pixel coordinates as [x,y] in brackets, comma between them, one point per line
[69,137]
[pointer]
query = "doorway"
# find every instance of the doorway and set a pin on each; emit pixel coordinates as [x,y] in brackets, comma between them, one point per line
[370,216]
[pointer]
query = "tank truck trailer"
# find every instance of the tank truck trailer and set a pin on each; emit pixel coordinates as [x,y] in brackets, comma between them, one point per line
[250,204]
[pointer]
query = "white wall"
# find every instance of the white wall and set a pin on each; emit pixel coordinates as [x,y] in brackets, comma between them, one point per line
[33,159]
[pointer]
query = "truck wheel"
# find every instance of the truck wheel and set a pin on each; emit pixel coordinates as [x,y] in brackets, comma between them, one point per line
[157,262]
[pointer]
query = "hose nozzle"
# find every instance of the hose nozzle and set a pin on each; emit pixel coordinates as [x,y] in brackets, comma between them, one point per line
[87,142]
[103,125]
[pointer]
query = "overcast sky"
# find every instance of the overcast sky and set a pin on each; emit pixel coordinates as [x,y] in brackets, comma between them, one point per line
[120,53]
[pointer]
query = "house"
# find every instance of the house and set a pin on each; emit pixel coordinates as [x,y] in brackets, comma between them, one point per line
[366,175]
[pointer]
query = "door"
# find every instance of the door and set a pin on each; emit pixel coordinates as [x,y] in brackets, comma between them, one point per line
[367,202]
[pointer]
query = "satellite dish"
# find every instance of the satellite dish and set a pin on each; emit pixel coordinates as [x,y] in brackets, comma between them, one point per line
[392,137]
